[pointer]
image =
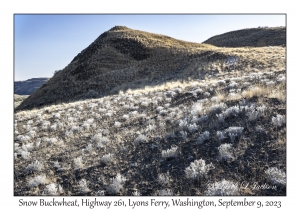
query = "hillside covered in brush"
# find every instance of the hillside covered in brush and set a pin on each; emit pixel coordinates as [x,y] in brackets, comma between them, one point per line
[252,37]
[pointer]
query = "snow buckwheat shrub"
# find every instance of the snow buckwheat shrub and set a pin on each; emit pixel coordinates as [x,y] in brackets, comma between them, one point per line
[221,135]
[82,186]
[164,178]
[196,109]
[276,176]
[197,169]
[25,155]
[232,111]
[170,152]
[116,185]
[37,180]
[225,152]
[183,123]
[192,128]
[221,117]
[108,158]
[279,120]
[117,124]
[140,139]
[22,138]
[136,193]
[33,167]
[206,94]
[125,117]
[234,132]
[252,116]
[218,108]
[165,192]
[78,162]
[223,188]
[53,189]
[100,140]
[203,137]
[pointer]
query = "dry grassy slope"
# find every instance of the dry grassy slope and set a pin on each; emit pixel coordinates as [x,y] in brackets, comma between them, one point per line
[253,37]
[123,58]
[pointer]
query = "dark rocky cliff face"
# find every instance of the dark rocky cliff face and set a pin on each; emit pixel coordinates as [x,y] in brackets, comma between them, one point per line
[29,86]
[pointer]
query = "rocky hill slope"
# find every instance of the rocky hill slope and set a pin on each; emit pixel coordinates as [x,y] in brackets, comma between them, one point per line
[252,37]
[27,87]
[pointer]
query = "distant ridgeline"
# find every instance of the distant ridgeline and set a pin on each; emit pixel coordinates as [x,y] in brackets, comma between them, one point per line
[253,37]
[27,87]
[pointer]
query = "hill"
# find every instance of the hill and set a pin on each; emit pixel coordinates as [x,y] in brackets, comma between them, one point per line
[29,86]
[252,37]
[184,119]
[119,59]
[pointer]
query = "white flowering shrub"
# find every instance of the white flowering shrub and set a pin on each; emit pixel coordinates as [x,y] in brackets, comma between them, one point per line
[232,85]
[279,120]
[116,184]
[183,123]
[136,193]
[28,147]
[22,138]
[34,167]
[234,132]
[223,188]
[196,109]
[221,83]
[232,111]
[117,124]
[165,192]
[169,153]
[218,108]
[25,155]
[183,134]
[206,94]
[82,186]
[53,189]
[164,178]
[140,139]
[276,176]
[197,169]
[280,78]
[225,152]
[203,137]
[78,163]
[37,180]
[108,158]
[221,117]
[99,140]
[221,135]
[192,127]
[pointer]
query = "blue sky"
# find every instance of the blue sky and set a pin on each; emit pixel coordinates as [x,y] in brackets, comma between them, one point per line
[45,43]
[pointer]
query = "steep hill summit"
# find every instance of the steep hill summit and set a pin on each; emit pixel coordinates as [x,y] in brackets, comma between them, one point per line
[118,57]
[252,37]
